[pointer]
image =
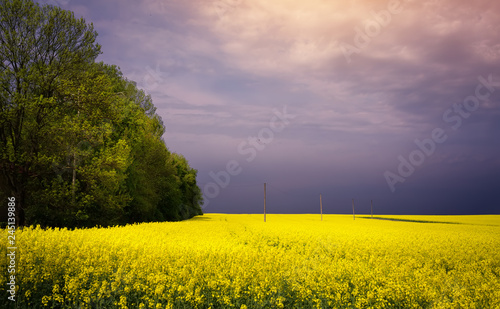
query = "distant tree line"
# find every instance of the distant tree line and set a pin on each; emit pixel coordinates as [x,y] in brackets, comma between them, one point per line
[80,145]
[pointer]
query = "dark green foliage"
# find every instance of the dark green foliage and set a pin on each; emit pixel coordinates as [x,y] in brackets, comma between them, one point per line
[79,144]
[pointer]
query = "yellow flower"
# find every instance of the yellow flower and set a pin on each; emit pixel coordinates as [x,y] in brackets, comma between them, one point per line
[287,261]
[123,302]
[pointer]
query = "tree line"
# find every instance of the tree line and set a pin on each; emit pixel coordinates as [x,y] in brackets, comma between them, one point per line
[80,145]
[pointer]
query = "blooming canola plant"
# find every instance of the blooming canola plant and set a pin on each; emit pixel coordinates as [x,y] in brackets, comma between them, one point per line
[239,261]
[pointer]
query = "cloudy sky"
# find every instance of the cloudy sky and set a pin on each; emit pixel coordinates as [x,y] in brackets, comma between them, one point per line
[393,101]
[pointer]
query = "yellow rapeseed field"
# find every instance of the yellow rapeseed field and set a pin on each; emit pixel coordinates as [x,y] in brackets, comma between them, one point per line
[238,261]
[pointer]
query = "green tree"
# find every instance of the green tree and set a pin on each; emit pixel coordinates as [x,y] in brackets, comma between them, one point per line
[154,182]
[191,196]
[41,48]
[82,165]
[80,144]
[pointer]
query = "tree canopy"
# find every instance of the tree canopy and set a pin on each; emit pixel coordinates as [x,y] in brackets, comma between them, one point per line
[80,145]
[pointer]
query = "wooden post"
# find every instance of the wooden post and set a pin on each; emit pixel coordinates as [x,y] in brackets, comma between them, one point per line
[321,207]
[372,208]
[264,202]
[353,216]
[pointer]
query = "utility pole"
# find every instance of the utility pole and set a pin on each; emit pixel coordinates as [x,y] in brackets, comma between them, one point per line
[264,202]
[372,208]
[353,216]
[321,207]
